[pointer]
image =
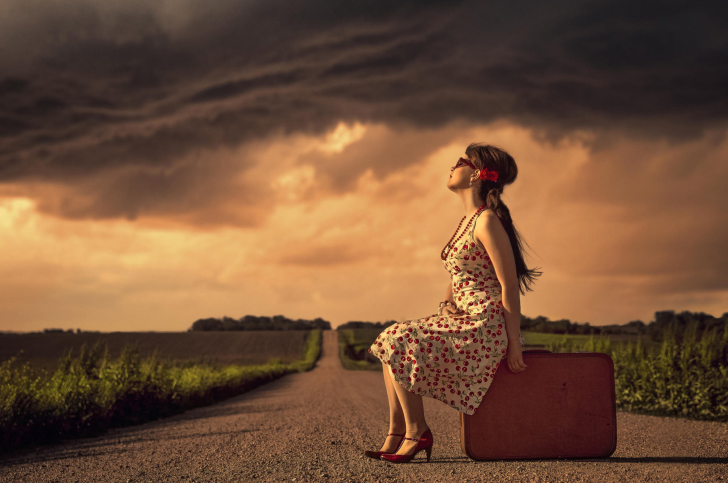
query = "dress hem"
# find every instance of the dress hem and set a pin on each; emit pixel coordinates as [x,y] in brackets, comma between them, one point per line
[432,396]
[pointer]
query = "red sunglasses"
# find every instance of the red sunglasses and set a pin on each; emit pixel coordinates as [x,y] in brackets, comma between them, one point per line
[462,162]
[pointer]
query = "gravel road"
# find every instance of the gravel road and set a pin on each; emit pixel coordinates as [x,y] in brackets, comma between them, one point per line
[314,426]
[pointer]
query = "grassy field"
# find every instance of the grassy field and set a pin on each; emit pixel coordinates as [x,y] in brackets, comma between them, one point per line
[539,340]
[686,378]
[91,392]
[42,351]
[353,345]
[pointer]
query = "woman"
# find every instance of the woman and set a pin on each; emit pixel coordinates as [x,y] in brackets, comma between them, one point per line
[453,355]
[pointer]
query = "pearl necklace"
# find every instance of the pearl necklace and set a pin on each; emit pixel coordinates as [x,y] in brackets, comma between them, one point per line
[448,248]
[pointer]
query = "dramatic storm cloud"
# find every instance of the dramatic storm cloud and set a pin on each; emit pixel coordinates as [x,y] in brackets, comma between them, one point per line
[194,117]
[133,90]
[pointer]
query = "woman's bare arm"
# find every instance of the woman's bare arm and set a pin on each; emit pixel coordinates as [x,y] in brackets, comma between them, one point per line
[494,238]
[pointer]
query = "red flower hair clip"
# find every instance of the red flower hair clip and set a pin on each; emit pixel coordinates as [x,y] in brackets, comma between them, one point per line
[489,174]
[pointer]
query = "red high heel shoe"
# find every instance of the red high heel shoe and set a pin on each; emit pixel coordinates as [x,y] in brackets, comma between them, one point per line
[423,442]
[377,454]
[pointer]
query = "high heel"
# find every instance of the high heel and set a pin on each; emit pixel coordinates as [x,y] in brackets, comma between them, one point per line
[377,454]
[425,442]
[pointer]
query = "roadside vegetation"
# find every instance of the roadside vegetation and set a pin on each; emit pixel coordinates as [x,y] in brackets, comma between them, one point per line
[44,350]
[90,393]
[684,373]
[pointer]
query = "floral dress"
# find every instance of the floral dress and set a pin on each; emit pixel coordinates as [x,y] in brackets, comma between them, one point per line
[453,357]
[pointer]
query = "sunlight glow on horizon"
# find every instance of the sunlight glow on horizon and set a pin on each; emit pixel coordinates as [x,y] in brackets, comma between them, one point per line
[369,253]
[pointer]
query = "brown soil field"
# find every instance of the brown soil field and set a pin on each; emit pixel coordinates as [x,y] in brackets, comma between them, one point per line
[43,350]
[315,426]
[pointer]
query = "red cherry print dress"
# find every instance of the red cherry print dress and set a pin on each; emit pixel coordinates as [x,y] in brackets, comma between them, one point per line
[453,358]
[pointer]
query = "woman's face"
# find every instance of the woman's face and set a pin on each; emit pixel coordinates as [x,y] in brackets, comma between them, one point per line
[460,174]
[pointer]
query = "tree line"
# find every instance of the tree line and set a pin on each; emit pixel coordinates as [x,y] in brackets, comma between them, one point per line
[253,322]
[654,329]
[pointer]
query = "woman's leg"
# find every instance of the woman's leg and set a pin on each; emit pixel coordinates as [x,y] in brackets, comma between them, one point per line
[397,424]
[414,415]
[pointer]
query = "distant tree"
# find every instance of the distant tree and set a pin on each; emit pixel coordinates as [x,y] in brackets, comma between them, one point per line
[322,324]
[636,327]
[669,320]
[228,323]
[355,324]
[252,322]
[207,324]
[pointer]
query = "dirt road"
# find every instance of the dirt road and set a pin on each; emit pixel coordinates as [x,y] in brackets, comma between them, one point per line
[315,426]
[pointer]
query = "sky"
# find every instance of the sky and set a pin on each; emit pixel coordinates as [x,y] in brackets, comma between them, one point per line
[166,161]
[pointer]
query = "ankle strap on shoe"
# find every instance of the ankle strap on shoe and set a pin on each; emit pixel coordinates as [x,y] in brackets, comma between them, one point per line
[418,439]
[392,434]
[414,439]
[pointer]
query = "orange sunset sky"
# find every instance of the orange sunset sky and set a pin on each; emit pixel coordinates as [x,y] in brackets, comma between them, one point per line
[168,162]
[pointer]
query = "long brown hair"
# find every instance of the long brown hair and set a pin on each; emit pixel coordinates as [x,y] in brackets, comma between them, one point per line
[494,158]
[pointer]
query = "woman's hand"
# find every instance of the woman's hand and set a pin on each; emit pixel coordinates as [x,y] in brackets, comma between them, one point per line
[515,357]
[451,309]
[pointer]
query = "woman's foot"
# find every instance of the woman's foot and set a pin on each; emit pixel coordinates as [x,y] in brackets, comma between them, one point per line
[390,445]
[392,442]
[408,445]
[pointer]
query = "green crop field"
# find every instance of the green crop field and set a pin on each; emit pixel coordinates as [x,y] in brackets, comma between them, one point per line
[93,389]
[42,351]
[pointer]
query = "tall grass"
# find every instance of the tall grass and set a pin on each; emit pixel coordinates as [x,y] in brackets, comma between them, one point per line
[353,345]
[686,378]
[90,393]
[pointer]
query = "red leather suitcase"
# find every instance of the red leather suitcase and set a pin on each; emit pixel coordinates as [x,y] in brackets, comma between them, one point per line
[562,406]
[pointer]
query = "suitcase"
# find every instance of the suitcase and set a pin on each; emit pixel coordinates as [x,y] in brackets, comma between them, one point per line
[562,406]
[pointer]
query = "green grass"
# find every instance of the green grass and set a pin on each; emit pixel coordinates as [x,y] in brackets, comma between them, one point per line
[554,342]
[683,378]
[230,347]
[91,393]
[353,345]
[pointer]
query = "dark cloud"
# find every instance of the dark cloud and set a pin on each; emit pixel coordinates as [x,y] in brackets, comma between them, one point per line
[382,151]
[192,193]
[92,90]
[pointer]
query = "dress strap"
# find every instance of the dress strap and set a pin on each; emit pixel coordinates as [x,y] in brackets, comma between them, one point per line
[472,229]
